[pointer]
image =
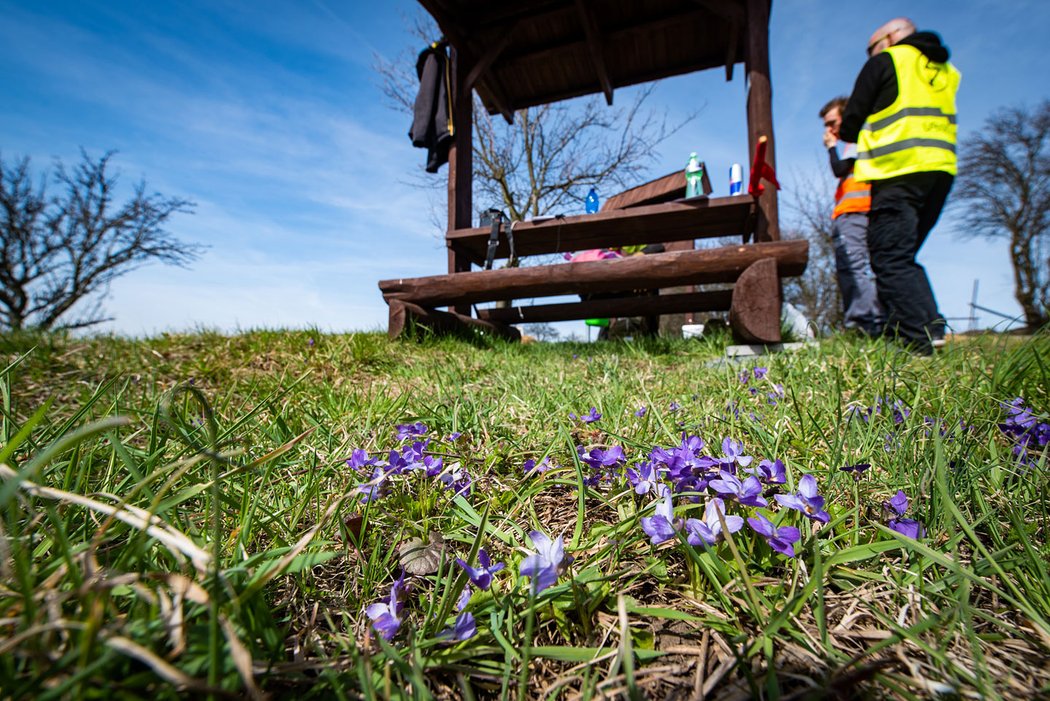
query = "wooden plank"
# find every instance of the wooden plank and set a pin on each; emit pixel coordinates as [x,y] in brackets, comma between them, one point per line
[659,223]
[408,319]
[717,300]
[717,265]
[755,311]
[669,187]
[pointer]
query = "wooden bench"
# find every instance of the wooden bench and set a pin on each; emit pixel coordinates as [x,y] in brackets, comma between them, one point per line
[754,269]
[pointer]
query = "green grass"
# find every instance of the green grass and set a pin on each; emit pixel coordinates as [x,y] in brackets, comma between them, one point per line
[178,518]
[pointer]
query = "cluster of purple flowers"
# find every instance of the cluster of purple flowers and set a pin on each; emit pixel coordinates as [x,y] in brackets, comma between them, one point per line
[386,615]
[772,397]
[410,457]
[1030,436]
[732,477]
[588,418]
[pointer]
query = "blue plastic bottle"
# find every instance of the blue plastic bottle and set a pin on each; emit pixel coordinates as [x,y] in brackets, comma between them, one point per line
[592,202]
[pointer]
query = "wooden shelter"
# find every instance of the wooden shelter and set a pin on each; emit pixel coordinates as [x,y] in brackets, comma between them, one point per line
[518,54]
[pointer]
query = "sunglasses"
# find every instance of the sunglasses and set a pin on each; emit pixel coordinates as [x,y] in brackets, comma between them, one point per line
[875,44]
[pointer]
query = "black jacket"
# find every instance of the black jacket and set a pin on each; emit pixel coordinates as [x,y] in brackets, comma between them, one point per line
[430,116]
[876,86]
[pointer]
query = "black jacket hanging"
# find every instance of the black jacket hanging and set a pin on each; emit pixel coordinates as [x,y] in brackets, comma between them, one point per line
[432,115]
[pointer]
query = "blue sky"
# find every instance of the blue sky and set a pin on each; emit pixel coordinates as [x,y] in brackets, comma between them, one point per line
[269,116]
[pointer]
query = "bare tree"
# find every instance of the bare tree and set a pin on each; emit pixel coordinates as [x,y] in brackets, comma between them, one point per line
[61,251]
[553,154]
[1004,185]
[809,204]
[548,159]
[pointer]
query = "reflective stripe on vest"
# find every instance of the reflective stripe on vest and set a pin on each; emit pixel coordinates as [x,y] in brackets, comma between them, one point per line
[851,196]
[917,132]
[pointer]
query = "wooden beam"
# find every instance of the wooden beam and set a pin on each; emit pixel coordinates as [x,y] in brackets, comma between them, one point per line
[407,319]
[726,10]
[594,45]
[704,266]
[615,35]
[486,60]
[717,300]
[760,111]
[755,311]
[658,223]
[731,48]
[489,15]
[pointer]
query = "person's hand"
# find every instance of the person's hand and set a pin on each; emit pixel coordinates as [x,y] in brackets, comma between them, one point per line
[829,138]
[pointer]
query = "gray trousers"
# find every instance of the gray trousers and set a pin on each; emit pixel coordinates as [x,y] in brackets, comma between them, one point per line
[853,269]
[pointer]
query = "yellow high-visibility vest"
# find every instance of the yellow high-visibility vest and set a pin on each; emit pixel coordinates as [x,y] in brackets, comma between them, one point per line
[916,133]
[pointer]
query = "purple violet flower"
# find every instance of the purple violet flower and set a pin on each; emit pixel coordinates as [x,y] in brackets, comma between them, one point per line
[405,430]
[781,539]
[544,565]
[760,372]
[588,418]
[456,477]
[531,467]
[373,488]
[748,492]
[359,459]
[673,407]
[386,616]
[907,527]
[645,478]
[770,472]
[857,470]
[453,437]
[464,598]
[463,629]
[806,500]
[481,576]
[734,453]
[598,458]
[662,525]
[641,412]
[709,531]
[898,503]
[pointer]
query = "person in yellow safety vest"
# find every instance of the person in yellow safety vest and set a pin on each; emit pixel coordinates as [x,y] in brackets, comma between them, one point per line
[902,117]
[849,228]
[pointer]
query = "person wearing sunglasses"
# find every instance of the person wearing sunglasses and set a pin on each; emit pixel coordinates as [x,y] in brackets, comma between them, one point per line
[902,116]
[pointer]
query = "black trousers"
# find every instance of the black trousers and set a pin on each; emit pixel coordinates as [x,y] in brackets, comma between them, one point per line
[903,211]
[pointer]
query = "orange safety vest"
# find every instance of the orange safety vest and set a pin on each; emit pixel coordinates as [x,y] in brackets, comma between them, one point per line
[851,196]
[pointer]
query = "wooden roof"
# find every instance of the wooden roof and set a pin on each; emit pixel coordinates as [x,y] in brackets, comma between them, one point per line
[530,52]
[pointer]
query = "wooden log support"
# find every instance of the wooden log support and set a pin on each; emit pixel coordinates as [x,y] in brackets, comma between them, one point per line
[716,300]
[407,318]
[755,311]
[660,270]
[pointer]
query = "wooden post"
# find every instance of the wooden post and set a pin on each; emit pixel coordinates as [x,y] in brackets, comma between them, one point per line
[460,165]
[760,111]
